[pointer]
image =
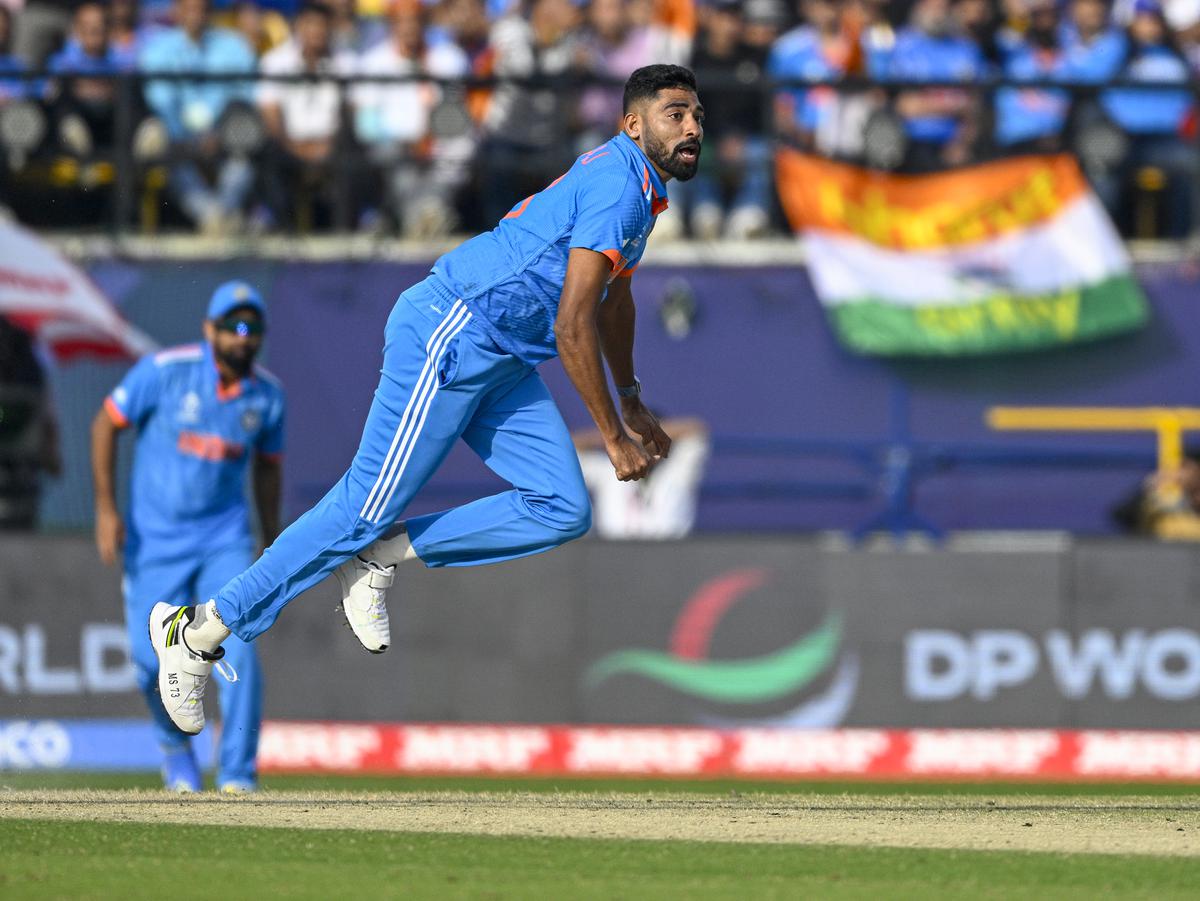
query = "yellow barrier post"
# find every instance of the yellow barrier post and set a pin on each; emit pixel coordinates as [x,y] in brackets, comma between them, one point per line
[1168,423]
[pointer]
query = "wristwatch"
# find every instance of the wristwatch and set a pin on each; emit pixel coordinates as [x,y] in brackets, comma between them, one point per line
[630,390]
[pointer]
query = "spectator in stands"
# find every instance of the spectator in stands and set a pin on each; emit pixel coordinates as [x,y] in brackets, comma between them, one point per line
[1184,18]
[303,119]
[262,29]
[977,19]
[528,126]
[817,49]
[465,24]
[672,25]
[1154,119]
[422,171]
[348,32]
[730,194]
[1165,505]
[765,21]
[867,24]
[84,108]
[211,188]
[40,28]
[11,88]
[1012,26]
[1029,119]
[1094,48]
[1189,479]
[124,37]
[613,46]
[940,122]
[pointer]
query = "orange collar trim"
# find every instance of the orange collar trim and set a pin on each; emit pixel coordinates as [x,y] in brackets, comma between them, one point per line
[229,393]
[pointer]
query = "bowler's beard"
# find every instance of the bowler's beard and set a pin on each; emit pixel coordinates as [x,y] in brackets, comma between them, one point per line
[239,361]
[666,159]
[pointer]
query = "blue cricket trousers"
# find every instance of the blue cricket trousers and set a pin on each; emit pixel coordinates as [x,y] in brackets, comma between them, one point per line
[192,579]
[443,378]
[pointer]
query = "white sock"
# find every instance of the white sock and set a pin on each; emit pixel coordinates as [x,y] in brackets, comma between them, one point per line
[390,551]
[206,631]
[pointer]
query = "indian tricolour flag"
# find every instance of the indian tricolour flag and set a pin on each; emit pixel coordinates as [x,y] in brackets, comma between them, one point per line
[1012,255]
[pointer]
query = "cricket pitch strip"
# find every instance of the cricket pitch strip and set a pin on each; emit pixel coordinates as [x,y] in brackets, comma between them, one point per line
[1006,822]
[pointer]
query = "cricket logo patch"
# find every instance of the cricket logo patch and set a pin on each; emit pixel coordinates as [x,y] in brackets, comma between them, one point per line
[189,408]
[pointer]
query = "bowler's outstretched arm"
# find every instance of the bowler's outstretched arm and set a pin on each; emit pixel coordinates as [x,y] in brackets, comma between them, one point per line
[616,319]
[578,339]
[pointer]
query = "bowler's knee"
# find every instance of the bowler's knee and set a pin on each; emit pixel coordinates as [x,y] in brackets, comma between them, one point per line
[568,513]
[579,519]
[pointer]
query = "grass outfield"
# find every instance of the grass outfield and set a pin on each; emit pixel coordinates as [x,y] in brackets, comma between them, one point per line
[523,838]
[132,861]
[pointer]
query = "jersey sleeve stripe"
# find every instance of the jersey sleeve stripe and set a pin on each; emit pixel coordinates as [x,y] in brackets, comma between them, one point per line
[515,214]
[119,419]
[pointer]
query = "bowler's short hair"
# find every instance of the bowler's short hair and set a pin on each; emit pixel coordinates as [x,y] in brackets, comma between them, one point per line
[647,81]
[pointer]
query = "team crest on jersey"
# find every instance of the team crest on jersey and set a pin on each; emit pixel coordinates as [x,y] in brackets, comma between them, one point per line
[251,420]
[189,408]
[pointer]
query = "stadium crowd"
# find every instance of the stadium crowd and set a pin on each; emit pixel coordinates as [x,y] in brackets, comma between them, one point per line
[501,95]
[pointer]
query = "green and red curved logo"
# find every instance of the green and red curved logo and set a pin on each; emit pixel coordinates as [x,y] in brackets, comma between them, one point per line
[773,677]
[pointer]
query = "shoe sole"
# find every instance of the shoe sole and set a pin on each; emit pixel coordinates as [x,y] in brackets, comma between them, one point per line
[158,657]
[341,608]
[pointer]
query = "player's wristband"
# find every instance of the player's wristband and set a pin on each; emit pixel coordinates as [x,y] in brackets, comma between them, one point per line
[630,390]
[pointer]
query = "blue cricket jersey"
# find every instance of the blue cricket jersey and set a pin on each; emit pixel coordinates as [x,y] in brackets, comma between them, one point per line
[799,54]
[920,57]
[512,277]
[1151,112]
[194,442]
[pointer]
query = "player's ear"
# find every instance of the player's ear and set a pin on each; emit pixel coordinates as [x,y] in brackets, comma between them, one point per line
[632,124]
[210,331]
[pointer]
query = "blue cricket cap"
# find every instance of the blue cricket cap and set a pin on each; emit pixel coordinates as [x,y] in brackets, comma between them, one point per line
[232,295]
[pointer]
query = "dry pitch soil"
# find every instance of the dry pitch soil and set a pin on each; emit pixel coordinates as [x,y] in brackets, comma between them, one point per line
[1125,825]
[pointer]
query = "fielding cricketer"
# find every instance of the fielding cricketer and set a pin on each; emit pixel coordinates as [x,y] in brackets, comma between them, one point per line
[204,413]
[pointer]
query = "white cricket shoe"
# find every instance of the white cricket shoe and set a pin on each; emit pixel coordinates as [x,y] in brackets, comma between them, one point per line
[182,673]
[364,586]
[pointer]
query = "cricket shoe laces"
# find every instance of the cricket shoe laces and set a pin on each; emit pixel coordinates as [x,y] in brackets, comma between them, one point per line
[364,584]
[183,672]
